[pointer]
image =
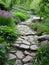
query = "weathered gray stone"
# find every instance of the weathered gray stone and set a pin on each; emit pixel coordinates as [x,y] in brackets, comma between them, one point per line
[28,64]
[30,39]
[15,44]
[29,53]
[22,41]
[25,30]
[12,51]
[43,37]
[24,46]
[26,59]
[18,62]
[26,42]
[26,52]
[19,54]
[33,47]
[46,42]
[11,56]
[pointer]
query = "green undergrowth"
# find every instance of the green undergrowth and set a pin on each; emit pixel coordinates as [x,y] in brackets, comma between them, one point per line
[21,15]
[40,27]
[8,33]
[3,55]
[42,56]
[7,21]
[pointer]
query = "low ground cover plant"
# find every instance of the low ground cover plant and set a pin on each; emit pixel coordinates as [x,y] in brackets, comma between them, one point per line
[42,56]
[40,27]
[3,55]
[23,16]
[8,33]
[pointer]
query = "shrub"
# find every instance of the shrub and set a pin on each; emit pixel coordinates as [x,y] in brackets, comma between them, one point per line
[40,27]
[23,16]
[16,19]
[1,39]
[43,55]
[8,33]
[6,19]
[3,55]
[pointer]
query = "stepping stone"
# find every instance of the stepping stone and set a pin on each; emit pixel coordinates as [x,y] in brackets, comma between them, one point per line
[33,47]
[15,45]
[29,39]
[24,46]
[20,54]
[12,51]
[25,30]
[18,62]
[29,53]
[27,59]
[22,41]
[11,56]
[46,42]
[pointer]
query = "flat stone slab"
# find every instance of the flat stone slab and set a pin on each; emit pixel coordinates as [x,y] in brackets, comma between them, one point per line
[43,37]
[28,64]
[29,53]
[19,54]
[16,45]
[18,62]
[25,30]
[26,59]
[34,47]
[22,41]
[24,46]
[30,39]
[26,42]
[11,56]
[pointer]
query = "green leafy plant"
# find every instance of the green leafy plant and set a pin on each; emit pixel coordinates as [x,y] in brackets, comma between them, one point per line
[6,19]
[3,55]
[40,27]
[23,16]
[43,55]
[8,33]
[1,39]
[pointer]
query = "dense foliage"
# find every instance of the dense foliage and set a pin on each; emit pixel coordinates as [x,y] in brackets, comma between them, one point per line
[3,55]
[21,15]
[8,33]
[40,27]
[15,11]
[6,19]
[43,55]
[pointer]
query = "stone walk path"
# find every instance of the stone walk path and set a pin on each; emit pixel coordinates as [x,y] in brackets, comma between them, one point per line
[29,21]
[26,44]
